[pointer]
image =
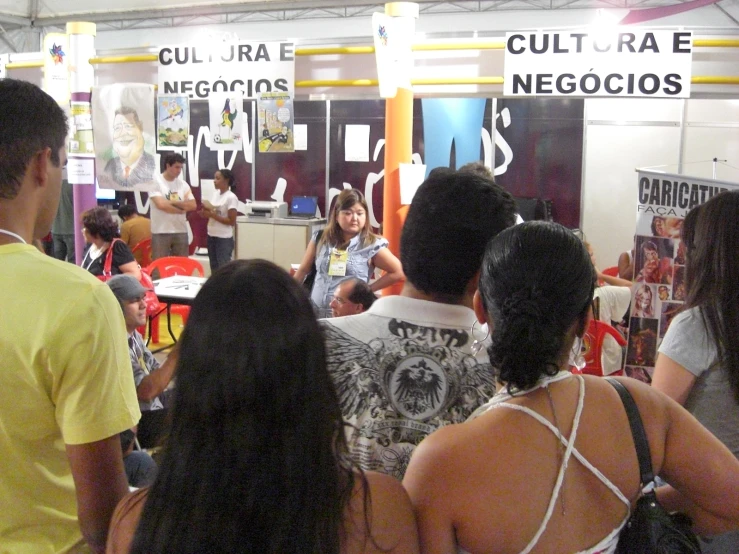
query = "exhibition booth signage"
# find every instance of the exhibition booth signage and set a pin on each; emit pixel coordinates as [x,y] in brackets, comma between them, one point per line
[254,67]
[633,63]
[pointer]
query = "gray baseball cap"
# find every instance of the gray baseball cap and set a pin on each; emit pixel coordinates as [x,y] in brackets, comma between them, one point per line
[126,287]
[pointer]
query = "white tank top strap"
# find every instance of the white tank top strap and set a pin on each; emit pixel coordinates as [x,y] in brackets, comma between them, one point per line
[570,450]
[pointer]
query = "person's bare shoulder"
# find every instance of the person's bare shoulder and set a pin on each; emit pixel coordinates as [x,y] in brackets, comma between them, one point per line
[388,512]
[124,522]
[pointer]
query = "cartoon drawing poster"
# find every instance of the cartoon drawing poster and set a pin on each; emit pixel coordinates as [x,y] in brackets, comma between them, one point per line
[276,116]
[226,120]
[173,122]
[123,132]
[659,256]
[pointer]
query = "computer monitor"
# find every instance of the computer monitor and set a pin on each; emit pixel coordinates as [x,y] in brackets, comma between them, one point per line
[303,206]
[103,194]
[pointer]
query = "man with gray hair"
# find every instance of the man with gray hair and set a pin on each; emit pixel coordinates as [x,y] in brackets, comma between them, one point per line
[150,377]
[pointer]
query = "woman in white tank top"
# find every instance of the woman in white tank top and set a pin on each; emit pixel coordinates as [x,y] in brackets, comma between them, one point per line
[549,464]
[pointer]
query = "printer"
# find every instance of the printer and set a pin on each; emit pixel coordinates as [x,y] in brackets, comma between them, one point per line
[266,209]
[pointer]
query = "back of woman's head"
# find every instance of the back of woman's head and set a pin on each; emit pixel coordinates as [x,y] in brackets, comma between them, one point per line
[99,223]
[255,458]
[711,236]
[536,282]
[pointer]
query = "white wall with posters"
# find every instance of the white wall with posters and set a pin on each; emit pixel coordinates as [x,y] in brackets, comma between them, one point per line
[623,134]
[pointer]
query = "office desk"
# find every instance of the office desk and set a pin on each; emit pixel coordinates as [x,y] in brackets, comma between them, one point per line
[179,289]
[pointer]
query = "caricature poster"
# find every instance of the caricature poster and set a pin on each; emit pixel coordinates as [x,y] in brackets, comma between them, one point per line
[226,117]
[659,288]
[276,115]
[173,122]
[123,130]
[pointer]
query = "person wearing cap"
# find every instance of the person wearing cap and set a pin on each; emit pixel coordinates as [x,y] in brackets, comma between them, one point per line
[150,377]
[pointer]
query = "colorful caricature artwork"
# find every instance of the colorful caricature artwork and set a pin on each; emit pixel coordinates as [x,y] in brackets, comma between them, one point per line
[276,122]
[226,120]
[173,122]
[123,128]
[659,262]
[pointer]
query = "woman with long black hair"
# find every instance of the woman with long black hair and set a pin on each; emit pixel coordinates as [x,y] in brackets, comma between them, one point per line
[698,363]
[256,459]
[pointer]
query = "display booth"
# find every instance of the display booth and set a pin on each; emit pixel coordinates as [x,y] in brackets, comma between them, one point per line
[572,149]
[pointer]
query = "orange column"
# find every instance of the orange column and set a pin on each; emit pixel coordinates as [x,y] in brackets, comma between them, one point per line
[398,149]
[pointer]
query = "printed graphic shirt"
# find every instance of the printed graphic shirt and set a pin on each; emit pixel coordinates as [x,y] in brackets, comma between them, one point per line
[162,222]
[402,370]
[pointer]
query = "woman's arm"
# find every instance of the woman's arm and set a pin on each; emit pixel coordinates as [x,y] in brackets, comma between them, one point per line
[626,266]
[228,220]
[386,261]
[672,379]
[131,268]
[426,485]
[309,258]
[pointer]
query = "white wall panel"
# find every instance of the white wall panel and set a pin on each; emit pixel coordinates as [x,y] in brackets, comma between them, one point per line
[612,153]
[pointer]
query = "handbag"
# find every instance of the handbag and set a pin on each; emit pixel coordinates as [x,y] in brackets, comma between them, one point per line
[152,302]
[311,277]
[650,528]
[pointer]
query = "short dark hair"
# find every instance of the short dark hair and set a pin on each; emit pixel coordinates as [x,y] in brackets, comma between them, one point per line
[99,223]
[480,169]
[361,294]
[536,281]
[229,176]
[173,158]
[127,210]
[453,216]
[30,121]
[127,110]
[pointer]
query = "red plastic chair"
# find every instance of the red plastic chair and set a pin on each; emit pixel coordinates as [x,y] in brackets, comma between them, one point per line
[171,266]
[144,248]
[593,347]
[611,271]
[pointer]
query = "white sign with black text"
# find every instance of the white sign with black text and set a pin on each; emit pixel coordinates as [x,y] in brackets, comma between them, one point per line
[221,67]
[633,62]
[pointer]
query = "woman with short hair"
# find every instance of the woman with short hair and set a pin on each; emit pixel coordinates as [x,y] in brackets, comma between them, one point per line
[256,459]
[101,230]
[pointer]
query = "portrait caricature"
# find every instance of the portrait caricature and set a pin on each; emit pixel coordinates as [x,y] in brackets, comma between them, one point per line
[642,347]
[643,301]
[123,124]
[653,260]
[669,311]
[666,227]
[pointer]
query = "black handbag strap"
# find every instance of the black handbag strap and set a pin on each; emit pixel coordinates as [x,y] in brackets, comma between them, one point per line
[637,431]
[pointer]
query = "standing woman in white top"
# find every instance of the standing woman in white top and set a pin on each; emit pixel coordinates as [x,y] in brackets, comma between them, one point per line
[221,214]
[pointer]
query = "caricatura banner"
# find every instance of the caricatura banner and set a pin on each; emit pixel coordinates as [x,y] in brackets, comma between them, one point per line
[659,288]
[226,67]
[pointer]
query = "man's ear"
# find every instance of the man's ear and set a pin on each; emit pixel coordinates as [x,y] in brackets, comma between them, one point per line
[39,166]
[477,305]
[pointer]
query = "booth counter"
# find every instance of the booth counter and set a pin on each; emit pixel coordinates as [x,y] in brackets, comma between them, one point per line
[279,240]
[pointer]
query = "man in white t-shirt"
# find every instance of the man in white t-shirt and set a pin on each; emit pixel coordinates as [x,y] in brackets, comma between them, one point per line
[170,202]
[613,304]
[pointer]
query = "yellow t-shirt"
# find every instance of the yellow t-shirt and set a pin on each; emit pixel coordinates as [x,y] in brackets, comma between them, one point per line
[65,378]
